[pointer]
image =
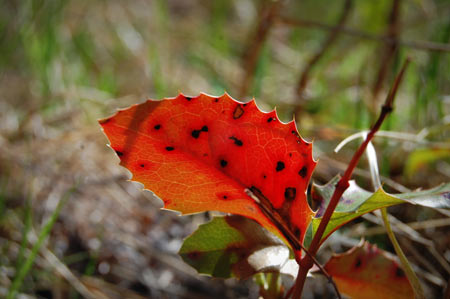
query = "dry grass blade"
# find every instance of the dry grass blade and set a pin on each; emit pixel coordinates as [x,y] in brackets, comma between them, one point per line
[418,45]
[416,225]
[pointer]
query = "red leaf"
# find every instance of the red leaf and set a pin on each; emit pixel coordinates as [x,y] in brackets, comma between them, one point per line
[201,153]
[368,272]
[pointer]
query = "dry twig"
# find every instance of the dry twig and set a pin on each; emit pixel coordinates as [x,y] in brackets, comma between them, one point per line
[392,33]
[332,37]
[253,51]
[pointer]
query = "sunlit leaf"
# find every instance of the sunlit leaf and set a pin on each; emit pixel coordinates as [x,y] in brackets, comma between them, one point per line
[201,154]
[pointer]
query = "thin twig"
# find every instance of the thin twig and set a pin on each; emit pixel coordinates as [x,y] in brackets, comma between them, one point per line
[419,256]
[306,263]
[65,272]
[426,224]
[332,37]
[253,50]
[418,45]
[260,199]
[363,173]
[389,51]
[402,228]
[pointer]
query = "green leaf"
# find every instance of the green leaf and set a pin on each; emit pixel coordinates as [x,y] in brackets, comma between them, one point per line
[437,197]
[357,201]
[235,246]
[352,198]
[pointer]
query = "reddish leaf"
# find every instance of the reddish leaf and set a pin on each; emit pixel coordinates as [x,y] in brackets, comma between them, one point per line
[368,272]
[201,153]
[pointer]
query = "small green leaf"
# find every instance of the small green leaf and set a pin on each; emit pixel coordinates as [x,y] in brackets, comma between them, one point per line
[234,246]
[357,201]
[353,197]
[437,197]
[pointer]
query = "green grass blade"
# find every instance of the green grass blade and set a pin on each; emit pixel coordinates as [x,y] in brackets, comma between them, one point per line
[26,265]
[26,230]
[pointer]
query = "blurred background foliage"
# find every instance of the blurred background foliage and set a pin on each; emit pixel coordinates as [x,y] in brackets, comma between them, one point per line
[65,63]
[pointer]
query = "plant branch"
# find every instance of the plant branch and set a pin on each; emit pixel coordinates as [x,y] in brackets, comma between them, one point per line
[392,33]
[332,37]
[256,42]
[306,262]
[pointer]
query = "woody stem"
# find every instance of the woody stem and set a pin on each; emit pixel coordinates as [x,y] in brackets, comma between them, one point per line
[307,262]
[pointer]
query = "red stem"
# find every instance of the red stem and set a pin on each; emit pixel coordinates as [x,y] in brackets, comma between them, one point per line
[306,262]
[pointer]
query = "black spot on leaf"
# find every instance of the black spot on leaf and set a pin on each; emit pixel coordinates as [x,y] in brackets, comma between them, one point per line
[236,141]
[399,272]
[188,98]
[119,153]
[303,172]
[223,163]
[297,232]
[196,133]
[358,263]
[269,119]
[169,148]
[280,166]
[289,193]
[157,127]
